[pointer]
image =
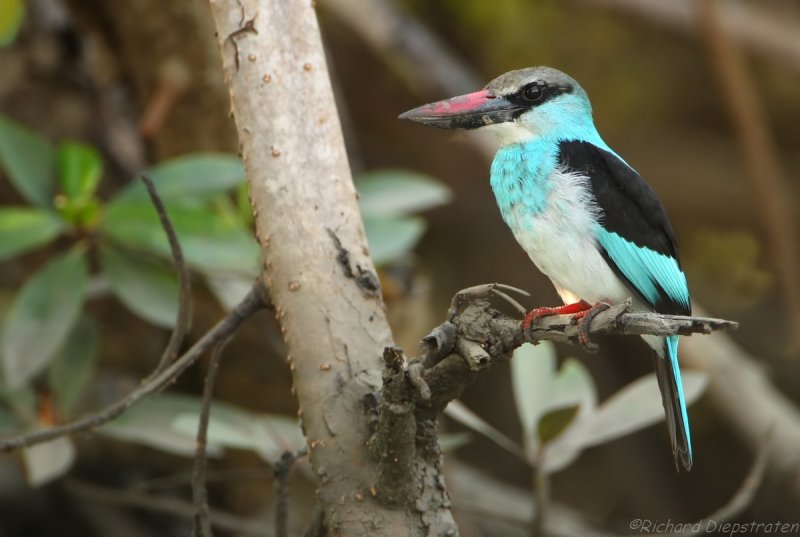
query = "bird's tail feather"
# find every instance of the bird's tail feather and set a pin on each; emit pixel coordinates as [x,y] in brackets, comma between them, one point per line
[669,381]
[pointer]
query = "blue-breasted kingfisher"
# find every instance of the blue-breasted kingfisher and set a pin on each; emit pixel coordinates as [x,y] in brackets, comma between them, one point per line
[585,217]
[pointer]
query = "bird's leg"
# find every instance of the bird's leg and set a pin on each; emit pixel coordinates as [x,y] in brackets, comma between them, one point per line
[585,318]
[566,309]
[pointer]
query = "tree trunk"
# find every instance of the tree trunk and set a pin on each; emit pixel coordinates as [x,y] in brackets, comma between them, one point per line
[317,266]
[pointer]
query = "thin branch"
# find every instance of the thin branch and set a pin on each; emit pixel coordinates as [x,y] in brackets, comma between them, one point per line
[540,483]
[184,317]
[767,176]
[164,504]
[253,302]
[283,470]
[199,492]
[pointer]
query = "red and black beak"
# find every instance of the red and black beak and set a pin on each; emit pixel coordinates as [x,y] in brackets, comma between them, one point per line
[469,111]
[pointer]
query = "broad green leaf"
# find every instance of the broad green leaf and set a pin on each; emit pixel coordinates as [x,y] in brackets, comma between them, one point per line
[539,389]
[48,461]
[281,434]
[22,229]
[150,423]
[146,287]
[199,176]
[79,169]
[72,369]
[209,243]
[390,238]
[230,289]
[555,422]
[459,412]
[230,426]
[532,378]
[11,14]
[29,161]
[42,316]
[636,406]
[399,192]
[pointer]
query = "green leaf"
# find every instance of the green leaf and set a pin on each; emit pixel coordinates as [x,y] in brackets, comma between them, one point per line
[555,422]
[150,423]
[230,426]
[532,377]
[42,316]
[146,287]
[29,161]
[79,169]
[539,389]
[72,369]
[198,176]
[390,238]
[11,14]
[209,243]
[280,434]
[48,461]
[636,406]
[22,229]
[399,192]
[230,289]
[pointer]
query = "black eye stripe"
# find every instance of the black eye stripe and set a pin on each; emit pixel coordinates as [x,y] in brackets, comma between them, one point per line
[537,93]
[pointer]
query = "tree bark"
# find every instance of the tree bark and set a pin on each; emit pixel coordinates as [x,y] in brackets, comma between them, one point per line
[317,266]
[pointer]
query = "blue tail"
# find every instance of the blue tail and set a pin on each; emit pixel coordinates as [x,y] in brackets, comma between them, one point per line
[668,373]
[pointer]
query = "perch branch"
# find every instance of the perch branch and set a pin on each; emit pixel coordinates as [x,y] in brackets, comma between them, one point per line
[474,337]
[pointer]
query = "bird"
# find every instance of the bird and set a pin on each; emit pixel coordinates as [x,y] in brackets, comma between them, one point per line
[584,216]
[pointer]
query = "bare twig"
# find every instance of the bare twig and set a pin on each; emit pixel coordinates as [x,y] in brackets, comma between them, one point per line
[767,176]
[540,483]
[202,526]
[165,504]
[184,317]
[253,302]
[283,470]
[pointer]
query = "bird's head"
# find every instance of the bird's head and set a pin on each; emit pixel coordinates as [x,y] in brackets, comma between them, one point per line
[517,106]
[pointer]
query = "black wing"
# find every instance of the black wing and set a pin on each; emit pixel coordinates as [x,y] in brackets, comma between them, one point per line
[632,211]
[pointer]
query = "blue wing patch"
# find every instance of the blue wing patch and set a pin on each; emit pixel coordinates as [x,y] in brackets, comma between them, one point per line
[651,274]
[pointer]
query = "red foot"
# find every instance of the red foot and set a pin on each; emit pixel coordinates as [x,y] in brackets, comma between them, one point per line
[578,308]
[584,319]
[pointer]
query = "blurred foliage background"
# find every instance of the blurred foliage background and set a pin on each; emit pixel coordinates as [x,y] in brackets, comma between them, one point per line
[113,88]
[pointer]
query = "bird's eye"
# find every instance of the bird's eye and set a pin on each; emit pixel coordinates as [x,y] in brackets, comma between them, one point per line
[533,92]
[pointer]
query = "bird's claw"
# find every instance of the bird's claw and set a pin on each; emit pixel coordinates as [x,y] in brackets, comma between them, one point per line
[584,319]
